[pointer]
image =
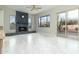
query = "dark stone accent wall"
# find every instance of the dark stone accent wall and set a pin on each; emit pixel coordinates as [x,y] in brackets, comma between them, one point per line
[21,22]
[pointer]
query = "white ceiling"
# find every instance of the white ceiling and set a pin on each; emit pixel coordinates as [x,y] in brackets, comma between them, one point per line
[24,8]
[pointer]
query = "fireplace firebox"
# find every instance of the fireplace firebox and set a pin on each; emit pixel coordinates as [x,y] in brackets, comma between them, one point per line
[22,29]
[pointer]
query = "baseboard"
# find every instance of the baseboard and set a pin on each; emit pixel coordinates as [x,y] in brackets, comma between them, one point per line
[19,33]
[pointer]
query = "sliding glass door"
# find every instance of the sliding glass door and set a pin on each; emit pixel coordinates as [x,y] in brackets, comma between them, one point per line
[61,24]
[72,24]
[68,24]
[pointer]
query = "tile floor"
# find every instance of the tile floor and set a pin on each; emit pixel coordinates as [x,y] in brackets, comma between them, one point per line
[35,43]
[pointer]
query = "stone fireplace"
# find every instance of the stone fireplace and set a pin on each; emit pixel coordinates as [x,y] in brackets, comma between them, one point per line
[21,22]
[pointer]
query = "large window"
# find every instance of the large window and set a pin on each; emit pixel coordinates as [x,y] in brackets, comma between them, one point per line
[44,21]
[12,23]
[68,23]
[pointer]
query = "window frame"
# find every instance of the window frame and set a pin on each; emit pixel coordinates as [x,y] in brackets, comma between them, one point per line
[40,18]
[29,22]
[10,21]
[66,11]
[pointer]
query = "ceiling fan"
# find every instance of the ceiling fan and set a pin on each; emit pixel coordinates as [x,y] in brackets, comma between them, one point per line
[34,8]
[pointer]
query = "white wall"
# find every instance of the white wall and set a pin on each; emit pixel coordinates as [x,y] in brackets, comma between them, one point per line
[47,30]
[7,13]
[52,30]
[10,12]
[1,18]
[33,28]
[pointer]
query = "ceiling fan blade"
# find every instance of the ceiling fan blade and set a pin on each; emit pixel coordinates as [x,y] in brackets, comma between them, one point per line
[31,10]
[28,7]
[34,8]
[39,8]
